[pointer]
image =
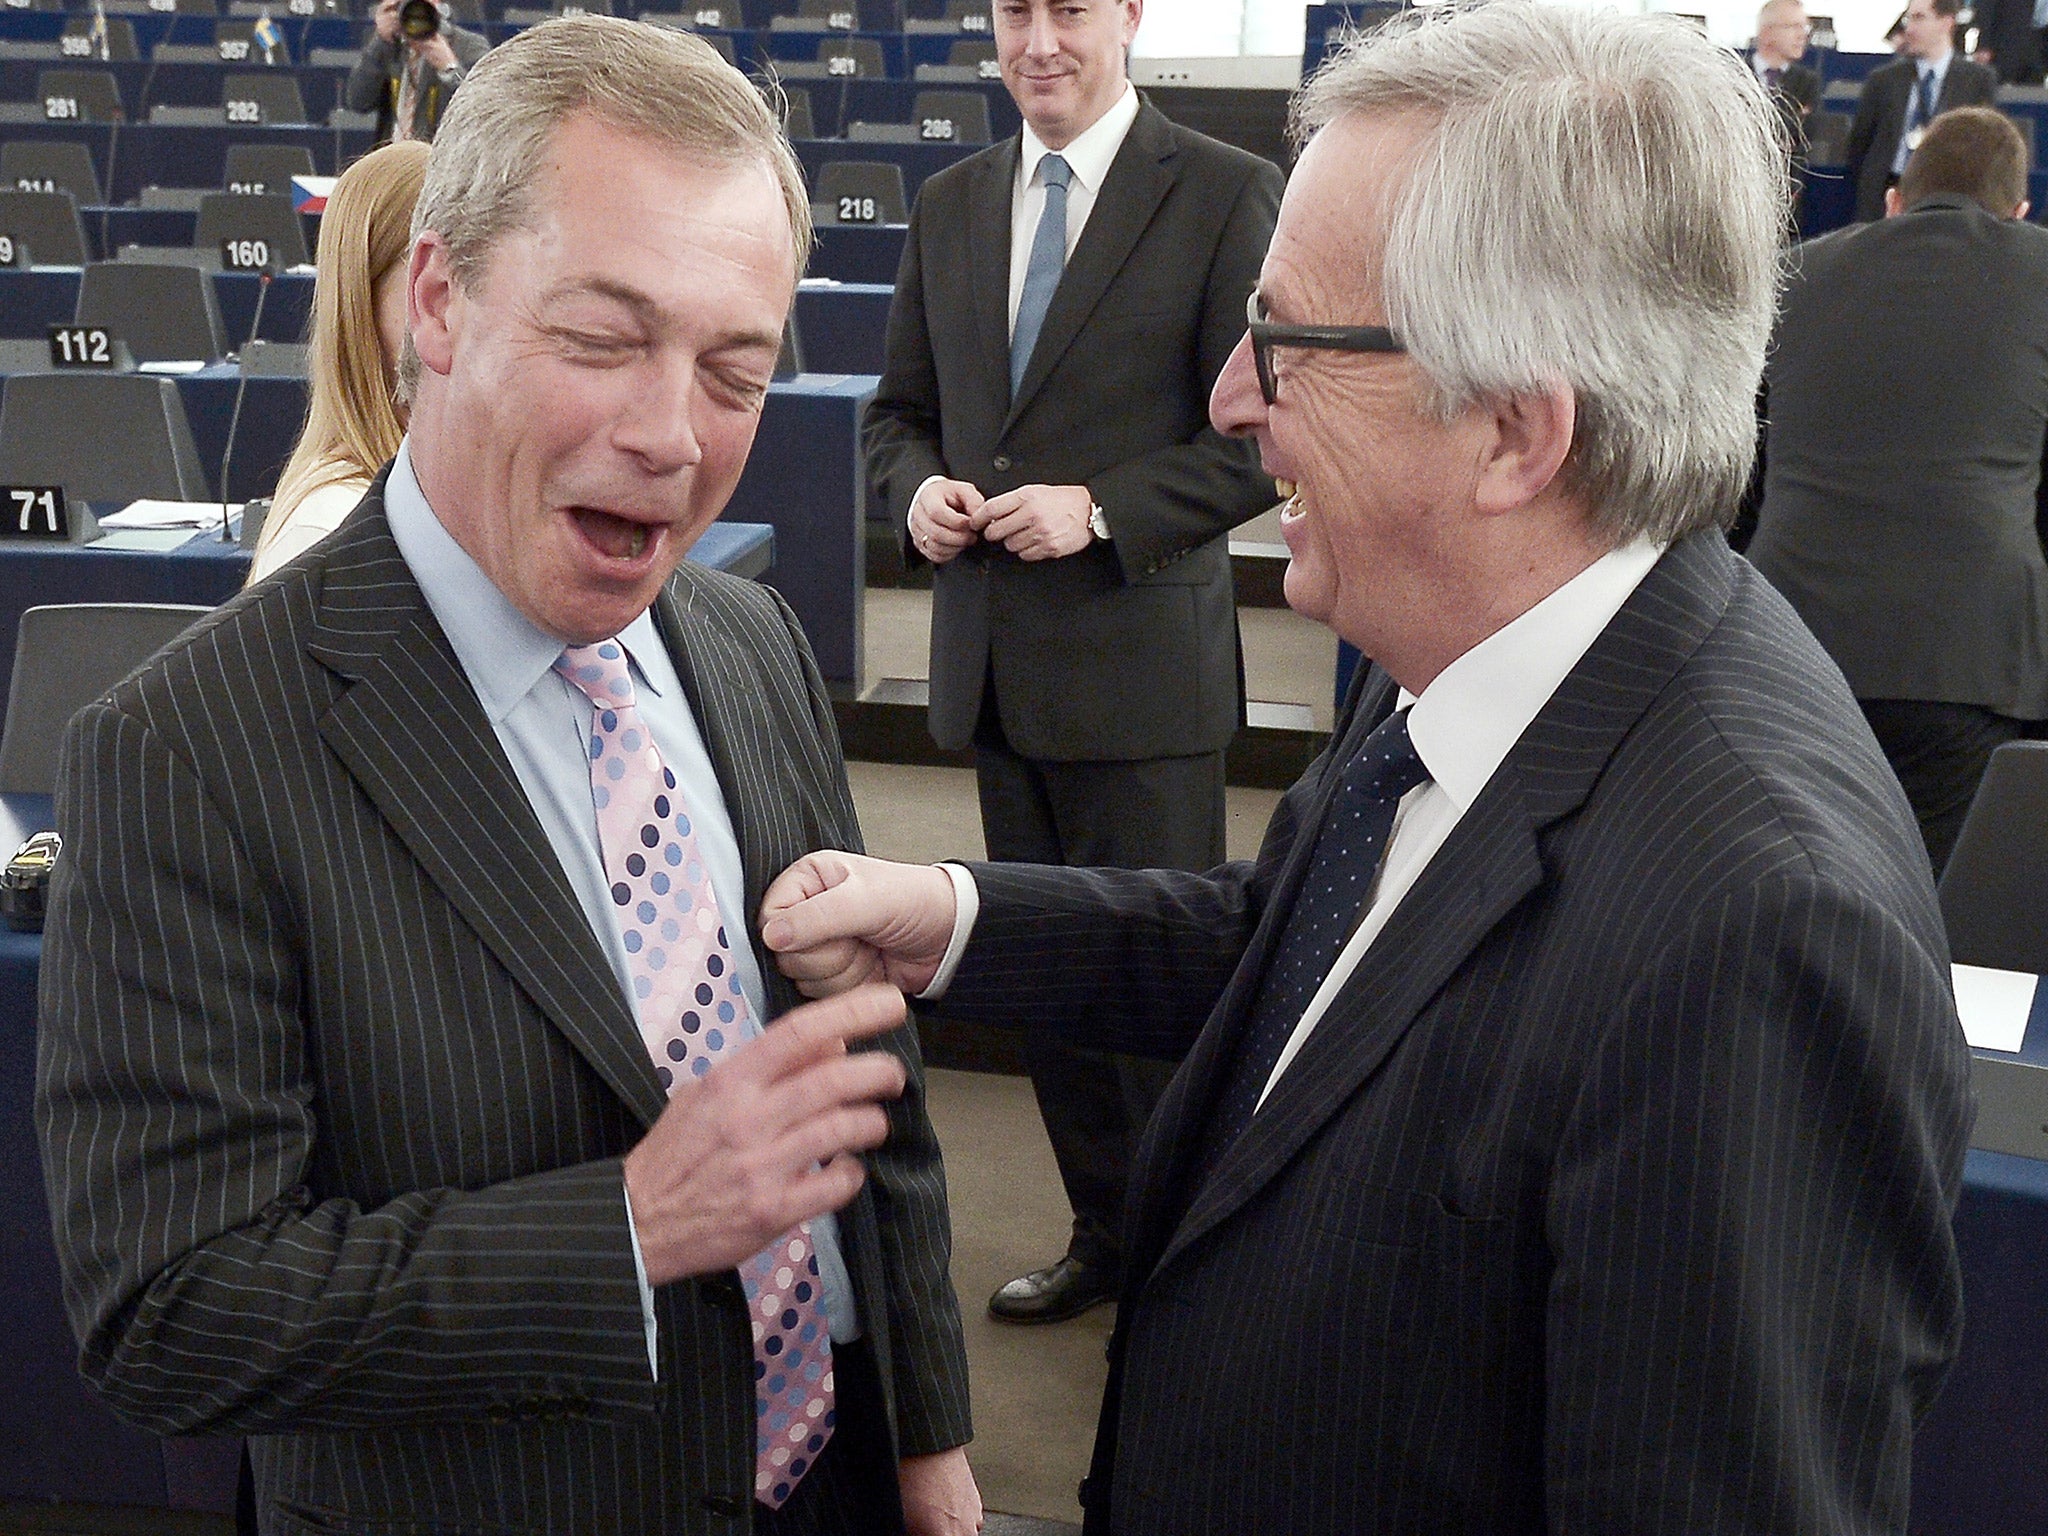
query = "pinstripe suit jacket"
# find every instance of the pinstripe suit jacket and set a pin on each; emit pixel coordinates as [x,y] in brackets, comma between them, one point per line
[335,1079]
[1612,1195]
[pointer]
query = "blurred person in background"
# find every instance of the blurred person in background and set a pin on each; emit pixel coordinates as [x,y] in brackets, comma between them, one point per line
[1900,522]
[353,423]
[408,81]
[1900,100]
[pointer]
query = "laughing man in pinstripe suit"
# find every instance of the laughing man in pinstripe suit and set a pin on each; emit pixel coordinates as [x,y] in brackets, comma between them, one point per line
[1586,1163]
[360,1139]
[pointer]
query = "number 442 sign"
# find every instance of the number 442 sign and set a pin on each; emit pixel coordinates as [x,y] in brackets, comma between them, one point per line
[41,512]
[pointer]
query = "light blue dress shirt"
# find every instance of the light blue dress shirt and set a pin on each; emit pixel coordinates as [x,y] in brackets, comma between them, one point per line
[543,722]
[1938,68]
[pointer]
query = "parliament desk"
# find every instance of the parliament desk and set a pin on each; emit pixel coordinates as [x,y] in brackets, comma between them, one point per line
[31,301]
[181,155]
[804,479]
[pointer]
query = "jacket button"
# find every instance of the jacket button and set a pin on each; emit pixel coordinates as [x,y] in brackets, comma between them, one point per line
[1001,462]
[724,1504]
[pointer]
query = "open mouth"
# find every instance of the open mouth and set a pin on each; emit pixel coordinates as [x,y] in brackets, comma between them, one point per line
[1290,506]
[617,538]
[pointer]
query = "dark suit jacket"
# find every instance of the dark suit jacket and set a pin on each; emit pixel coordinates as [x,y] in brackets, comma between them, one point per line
[373,84]
[2006,27]
[1125,650]
[1899,521]
[1612,1195]
[1881,118]
[1798,92]
[335,1079]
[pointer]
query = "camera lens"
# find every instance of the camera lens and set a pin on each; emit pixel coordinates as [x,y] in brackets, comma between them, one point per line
[418,19]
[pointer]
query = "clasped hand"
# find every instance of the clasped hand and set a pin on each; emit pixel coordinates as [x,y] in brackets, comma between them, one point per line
[1033,522]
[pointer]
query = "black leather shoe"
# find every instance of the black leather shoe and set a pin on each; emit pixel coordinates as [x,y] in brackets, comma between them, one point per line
[1066,1289]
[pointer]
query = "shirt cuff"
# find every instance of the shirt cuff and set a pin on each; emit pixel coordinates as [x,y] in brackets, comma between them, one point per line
[966,908]
[927,480]
[646,1290]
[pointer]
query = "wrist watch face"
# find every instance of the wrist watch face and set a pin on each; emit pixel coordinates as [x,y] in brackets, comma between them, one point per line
[1097,523]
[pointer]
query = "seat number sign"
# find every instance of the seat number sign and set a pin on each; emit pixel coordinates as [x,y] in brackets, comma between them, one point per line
[245,255]
[34,512]
[245,111]
[858,210]
[81,346]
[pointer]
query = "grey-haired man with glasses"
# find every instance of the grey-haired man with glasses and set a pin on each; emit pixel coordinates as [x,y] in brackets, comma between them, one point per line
[1571,1103]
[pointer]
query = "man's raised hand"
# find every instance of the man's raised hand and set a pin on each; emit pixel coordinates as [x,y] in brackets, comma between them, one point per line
[837,920]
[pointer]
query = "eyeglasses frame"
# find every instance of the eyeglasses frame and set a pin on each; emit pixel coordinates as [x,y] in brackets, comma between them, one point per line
[1266,336]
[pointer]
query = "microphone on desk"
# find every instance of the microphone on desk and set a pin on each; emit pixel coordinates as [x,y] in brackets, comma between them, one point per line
[227,453]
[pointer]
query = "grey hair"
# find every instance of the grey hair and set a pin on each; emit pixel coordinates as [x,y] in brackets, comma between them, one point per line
[651,81]
[1600,201]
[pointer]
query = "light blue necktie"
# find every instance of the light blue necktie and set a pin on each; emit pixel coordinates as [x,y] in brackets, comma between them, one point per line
[1042,273]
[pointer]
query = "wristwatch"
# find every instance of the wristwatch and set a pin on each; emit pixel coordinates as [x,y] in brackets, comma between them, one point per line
[1097,523]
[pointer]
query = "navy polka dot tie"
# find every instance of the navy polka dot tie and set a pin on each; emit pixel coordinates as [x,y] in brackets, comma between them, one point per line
[1332,897]
[692,1010]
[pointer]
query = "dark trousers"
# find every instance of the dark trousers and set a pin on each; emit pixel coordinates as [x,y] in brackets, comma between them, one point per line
[852,1490]
[1164,813]
[1939,752]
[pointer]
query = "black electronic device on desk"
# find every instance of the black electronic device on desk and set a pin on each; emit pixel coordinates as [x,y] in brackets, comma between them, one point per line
[25,882]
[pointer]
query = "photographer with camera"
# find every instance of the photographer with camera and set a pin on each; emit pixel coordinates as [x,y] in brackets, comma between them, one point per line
[410,67]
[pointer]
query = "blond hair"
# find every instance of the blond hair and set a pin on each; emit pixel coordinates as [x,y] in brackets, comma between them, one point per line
[650,81]
[352,424]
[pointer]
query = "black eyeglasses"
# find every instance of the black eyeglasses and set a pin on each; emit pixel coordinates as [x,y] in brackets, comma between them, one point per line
[1328,338]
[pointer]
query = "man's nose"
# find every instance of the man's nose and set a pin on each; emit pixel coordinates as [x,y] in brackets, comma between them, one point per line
[1236,406]
[657,425]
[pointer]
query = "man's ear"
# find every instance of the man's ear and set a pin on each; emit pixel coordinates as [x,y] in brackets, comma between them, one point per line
[1532,434]
[432,303]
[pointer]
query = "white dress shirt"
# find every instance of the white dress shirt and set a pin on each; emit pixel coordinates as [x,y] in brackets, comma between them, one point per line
[1089,158]
[1463,725]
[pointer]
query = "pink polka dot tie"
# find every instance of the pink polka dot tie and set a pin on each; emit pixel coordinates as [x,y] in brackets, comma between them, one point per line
[692,1011]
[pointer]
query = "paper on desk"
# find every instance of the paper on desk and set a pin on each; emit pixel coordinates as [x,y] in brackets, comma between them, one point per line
[1994,1005]
[168,514]
[173,368]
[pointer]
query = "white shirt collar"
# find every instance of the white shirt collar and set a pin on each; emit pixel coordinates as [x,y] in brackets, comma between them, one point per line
[1935,67]
[1470,717]
[502,652]
[1089,156]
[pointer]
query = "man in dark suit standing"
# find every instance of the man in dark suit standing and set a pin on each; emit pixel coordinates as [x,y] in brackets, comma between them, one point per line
[1900,100]
[1902,528]
[403,1090]
[1065,301]
[1573,1103]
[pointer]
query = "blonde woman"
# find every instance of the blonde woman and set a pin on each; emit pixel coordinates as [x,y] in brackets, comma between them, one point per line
[353,423]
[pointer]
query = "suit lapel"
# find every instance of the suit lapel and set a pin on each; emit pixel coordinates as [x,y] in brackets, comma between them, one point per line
[1489,865]
[411,732]
[1138,180]
[748,752]
[988,213]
